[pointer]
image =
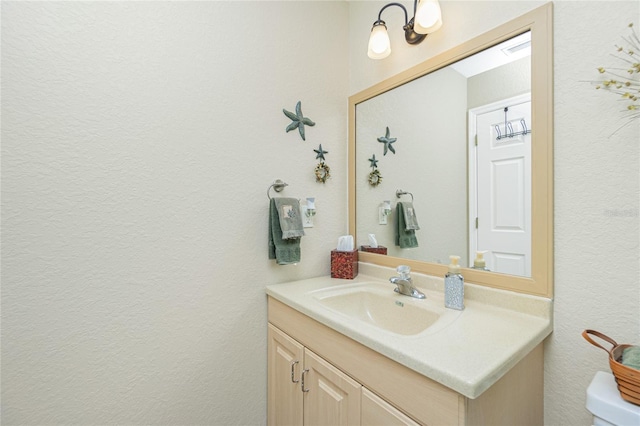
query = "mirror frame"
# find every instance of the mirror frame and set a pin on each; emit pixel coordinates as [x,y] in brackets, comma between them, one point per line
[540,22]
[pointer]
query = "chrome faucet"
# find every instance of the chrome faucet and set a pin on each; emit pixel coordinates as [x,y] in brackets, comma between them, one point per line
[404,284]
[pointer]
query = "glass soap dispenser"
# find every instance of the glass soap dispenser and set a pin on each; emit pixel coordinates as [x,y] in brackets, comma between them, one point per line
[454,285]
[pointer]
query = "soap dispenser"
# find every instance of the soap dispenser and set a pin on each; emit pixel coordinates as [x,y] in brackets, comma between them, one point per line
[454,286]
[479,262]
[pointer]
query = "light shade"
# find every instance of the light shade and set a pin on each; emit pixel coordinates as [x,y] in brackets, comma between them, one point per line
[379,44]
[428,17]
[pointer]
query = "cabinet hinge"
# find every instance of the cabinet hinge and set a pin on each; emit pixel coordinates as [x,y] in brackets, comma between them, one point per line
[476,139]
[476,223]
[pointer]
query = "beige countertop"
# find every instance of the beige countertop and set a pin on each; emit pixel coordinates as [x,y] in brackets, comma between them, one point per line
[467,351]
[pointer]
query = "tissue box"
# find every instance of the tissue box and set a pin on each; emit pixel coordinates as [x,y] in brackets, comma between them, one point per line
[379,249]
[344,264]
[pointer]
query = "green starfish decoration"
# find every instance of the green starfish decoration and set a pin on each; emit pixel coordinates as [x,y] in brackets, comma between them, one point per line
[374,162]
[299,120]
[387,141]
[320,152]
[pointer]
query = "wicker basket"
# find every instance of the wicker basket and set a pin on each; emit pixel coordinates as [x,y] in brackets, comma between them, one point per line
[627,378]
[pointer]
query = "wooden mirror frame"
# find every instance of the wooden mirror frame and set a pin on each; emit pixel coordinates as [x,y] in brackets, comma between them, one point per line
[540,22]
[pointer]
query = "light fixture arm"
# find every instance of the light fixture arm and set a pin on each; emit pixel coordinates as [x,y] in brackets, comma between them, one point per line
[409,34]
[404,9]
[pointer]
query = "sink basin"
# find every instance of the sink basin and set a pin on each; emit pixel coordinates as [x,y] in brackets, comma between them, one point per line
[378,305]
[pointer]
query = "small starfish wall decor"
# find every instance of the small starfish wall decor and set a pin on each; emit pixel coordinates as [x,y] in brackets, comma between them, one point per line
[373,161]
[322,171]
[387,140]
[298,120]
[374,178]
[320,153]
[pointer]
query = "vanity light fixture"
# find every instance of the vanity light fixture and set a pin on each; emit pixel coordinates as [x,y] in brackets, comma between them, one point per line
[427,19]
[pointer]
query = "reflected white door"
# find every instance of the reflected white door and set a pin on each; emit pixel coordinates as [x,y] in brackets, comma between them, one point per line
[503,186]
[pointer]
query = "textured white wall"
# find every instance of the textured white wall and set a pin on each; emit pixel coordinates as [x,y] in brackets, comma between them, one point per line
[597,176]
[597,224]
[138,142]
[135,135]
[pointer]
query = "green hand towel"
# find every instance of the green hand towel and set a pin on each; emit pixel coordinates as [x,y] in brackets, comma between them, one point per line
[410,219]
[285,252]
[289,215]
[405,238]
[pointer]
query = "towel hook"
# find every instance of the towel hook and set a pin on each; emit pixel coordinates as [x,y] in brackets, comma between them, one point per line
[400,193]
[277,186]
[508,128]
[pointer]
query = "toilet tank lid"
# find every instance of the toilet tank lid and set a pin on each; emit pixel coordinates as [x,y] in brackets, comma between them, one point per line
[604,401]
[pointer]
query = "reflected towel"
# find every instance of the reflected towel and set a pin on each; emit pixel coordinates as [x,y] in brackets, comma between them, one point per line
[410,219]
[284,251]
[405,238]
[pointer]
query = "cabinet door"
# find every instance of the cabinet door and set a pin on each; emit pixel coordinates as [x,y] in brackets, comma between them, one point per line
[378,412]
[331,397]
[284,396]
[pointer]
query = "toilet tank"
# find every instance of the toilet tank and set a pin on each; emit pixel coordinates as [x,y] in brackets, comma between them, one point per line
[606,404]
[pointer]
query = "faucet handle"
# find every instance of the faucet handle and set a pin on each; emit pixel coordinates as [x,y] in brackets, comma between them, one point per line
[404,271]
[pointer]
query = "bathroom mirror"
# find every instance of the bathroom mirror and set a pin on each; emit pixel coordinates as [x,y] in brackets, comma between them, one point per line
[432,110]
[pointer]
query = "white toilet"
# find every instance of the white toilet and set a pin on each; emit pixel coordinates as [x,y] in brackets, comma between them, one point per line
[606,404]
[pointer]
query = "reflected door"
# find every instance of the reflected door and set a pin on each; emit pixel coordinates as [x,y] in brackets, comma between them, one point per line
[503,157]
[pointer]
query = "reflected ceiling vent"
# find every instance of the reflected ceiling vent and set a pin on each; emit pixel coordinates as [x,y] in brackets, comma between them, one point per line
[503,53]
[517,47]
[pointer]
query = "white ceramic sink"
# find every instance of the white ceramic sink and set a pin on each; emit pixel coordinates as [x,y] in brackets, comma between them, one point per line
[378,305]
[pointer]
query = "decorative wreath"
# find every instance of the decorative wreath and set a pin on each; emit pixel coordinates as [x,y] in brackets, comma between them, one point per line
[375,178]
[323,172]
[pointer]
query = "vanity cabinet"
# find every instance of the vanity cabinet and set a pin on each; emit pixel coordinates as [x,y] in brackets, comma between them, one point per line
[303,388]
[350,383]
